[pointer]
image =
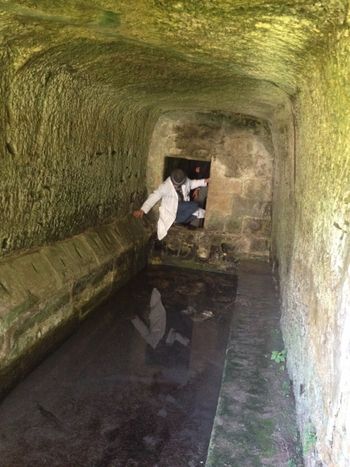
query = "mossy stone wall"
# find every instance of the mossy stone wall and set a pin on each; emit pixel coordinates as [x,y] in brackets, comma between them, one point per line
[72,153]
[314,258]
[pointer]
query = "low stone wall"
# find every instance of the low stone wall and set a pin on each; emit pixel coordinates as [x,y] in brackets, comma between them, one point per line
[195,249]
[45,293]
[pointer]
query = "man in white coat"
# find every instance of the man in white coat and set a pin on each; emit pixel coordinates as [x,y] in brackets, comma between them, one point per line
[176,206]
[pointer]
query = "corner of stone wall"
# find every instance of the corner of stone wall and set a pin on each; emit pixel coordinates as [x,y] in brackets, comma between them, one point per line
[46,293]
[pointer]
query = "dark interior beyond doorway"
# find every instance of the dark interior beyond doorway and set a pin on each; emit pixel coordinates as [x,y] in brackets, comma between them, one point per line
[193,169]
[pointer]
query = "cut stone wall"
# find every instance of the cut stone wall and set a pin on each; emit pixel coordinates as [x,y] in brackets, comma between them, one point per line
[45,293]
[313,250]
[240,190]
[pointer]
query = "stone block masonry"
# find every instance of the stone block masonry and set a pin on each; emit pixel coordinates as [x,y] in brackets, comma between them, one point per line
[240,190]
[45,293]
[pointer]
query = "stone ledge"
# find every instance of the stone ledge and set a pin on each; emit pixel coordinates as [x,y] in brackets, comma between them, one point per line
[255,418]
[207,250]
[50,290]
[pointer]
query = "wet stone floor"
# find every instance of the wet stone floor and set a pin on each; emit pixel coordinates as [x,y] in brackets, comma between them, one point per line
[137,385]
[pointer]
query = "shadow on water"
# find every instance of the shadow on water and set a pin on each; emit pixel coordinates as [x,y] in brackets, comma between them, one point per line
[108,398]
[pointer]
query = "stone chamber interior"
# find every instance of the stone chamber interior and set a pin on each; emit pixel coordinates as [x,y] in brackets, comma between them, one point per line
[94,96]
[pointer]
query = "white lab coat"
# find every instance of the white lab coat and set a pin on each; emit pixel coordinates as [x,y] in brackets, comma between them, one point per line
[169,202]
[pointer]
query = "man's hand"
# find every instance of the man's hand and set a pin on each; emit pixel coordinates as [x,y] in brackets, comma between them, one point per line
[195,194]
[138,214]
[207,180]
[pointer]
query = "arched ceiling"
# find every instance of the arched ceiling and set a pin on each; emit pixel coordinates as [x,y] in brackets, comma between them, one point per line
[240,55]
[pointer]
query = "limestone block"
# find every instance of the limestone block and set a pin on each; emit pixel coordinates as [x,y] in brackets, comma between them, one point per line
[124,267]
[63,259]
[104,243]
[260,246]
[30,308]
[203,250]
[12,295]
[242,245]
[36,275]
[130,231]
[242,207]
[32,326]
[224,186]
[219,203]
[238,161]
[263,164]
[257,226]
[214,221]
[233,225]
[257,189]
[92,289]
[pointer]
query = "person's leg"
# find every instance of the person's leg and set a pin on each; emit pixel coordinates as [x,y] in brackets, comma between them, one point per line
[185,212]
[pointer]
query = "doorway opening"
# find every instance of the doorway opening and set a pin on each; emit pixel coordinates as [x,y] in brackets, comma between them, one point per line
[195,170]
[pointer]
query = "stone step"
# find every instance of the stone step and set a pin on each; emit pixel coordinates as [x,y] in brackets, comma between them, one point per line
[194,249]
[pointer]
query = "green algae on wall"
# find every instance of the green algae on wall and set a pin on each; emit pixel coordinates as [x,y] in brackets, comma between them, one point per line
[313,282]
[72,160]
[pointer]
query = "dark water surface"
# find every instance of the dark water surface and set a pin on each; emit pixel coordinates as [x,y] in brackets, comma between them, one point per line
[107,398]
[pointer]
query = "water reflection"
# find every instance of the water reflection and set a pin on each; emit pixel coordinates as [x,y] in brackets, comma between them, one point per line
[137,385]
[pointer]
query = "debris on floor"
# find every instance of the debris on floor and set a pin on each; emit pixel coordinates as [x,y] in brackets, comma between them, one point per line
[196,315]
[203,316]
[162,413]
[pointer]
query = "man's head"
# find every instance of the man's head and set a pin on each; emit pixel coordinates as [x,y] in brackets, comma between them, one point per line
[178,177]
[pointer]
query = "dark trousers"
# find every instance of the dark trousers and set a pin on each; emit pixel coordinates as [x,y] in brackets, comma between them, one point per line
[185,211]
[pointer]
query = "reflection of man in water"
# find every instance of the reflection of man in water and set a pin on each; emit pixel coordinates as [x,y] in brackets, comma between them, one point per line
[176,206]
[166,335]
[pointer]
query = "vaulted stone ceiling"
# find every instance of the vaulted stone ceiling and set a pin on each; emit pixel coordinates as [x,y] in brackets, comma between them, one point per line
[240,55]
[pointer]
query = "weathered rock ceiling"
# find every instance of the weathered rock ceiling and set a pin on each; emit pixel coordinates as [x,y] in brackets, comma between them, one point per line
[230,54]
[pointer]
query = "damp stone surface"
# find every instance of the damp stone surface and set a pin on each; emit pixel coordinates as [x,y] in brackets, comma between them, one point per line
[82,88]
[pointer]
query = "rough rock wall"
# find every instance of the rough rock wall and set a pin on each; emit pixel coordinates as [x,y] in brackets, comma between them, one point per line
[241,155]
[315,259]
[283,128]
[72,161]
[72,154]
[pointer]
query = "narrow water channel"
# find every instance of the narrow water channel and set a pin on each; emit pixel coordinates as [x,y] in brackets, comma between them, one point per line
[128,389]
